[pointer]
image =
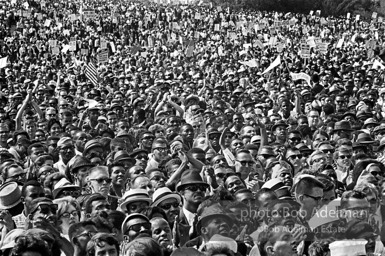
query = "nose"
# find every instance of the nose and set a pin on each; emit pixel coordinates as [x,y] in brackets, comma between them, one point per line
[142,229]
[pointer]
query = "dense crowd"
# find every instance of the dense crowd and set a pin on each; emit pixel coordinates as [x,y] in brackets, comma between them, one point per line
[155,128]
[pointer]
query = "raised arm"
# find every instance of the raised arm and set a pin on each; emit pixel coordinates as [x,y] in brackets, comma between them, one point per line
[262,130]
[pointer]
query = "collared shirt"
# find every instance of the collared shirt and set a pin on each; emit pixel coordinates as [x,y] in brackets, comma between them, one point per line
[189,216]
[20,220]
[61,166]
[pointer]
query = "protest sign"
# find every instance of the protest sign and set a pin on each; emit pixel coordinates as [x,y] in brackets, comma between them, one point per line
[103,56]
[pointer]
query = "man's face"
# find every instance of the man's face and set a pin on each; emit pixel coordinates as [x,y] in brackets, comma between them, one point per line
[93,115]
[246,198]
[84,237]
[160,151]
[280,132]
[147,140]
[158,180]
[311,202]
[143,183]
[106,250]
[98,207]
[245,165]
[137,226]
[357,209]
[67,151]
[233,184]
[35,152]
[313,118]
[46,211]
[122,126]
[99,181]
[112,120]
[216,225]
[171,208]
[187,132]
[194,193]
[80,141]
[16,173]
[161,233]
[32,192]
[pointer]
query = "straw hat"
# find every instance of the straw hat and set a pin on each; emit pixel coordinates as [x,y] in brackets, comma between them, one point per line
[10,195]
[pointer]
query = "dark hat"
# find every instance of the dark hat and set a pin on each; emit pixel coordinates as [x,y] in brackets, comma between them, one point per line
[92,144]
[267,150]
[379,128]
[214,131]
[212,211]
[352,114]
[190,177]
[130,217]
[39,201]
[137,152]
[81,162]
[382,144]
[122,155]
[279,123]
[364,138]
[342,125]
[369,121]
[358,229]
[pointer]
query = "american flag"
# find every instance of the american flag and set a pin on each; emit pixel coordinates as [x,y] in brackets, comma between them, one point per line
[92,73]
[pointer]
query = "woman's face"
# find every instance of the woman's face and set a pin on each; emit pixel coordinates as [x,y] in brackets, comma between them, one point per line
[68,218]
[55,130]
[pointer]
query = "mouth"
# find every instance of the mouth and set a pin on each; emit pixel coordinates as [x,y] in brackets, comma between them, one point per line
[224,232]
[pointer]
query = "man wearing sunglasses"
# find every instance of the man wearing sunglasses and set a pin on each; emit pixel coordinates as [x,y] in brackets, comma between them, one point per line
[168,201]
[136,225]
[42,214]
[79,234]
[192,189]
[99,180]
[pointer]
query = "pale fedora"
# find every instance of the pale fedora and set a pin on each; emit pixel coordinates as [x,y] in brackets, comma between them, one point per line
[10,195]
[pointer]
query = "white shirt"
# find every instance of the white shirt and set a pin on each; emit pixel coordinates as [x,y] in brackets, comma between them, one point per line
[189,216]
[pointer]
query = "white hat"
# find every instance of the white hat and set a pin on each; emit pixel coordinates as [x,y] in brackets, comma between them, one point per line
[162,194]
[348,248]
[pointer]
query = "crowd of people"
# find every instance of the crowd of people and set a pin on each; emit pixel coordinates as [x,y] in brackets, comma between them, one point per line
[161,128]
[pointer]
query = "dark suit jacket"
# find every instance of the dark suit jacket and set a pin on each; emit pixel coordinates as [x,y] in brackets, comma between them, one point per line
[184,229]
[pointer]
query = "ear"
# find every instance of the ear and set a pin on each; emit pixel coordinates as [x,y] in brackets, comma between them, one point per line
[203,230]
[269,249]
[300,198]
[22,199]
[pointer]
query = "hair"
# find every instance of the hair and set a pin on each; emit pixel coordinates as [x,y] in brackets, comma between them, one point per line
[150,211]
[362,165]
[219,250]
[33,183]
[102,224]
[326,181]
[367,188]
[30,243]
[101,237]
[319,248]
[4,172]
[64,203]
[90,199]
[143,246]
[268,191]
[306,184]
[75,228]
[49,180]
[116,218]
[35,145]
[351,194]
[51,122]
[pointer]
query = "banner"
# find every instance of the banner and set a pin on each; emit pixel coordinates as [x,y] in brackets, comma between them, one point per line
[300,76]
[274,64]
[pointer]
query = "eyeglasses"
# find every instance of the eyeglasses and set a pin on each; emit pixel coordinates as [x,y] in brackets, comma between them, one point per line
[296,156]
[161,149]
[18,176]
[67,148]
[295,139]
[68,214]
[47,208]
[101,180]
[315,198]
[142,157]
[344,156]
[244,163]
[221,175]
[90,234]
[139,226]
[326,151]
[168,206]
[148,138]
[195,188]
[73,193]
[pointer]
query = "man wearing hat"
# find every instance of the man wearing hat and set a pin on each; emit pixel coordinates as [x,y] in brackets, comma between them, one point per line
[168,201]
[280,132]
[192,189]
[342,130]
[213,220]
[93,149]
[134,201]
[136,225]
[66,153]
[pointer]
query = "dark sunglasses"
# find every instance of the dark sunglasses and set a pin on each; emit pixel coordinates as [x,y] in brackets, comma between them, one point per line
[295,139]
[296,156]
[138,227]
[101,180]
[74,194]
[244,163]
[345,156]
[331,151]
[168,206]
[195,188]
